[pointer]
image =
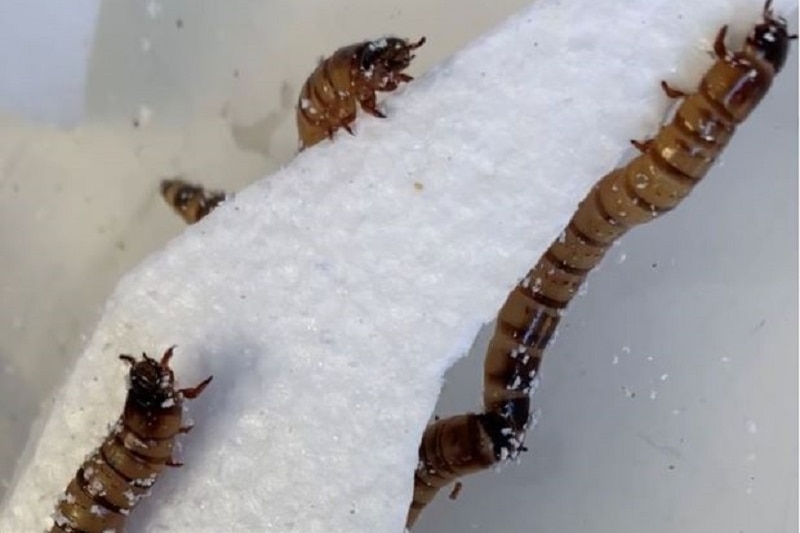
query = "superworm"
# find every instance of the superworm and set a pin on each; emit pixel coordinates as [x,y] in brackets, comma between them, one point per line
[653,183]
[192,202]
[114,477]
[350,77]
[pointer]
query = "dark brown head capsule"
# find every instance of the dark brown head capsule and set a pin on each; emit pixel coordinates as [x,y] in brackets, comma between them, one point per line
[152,384]
[383,61]
[770,39]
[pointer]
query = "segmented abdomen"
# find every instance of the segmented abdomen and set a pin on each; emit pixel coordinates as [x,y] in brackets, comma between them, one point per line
[327,100]
[450,448]
[116,475]
[654,182]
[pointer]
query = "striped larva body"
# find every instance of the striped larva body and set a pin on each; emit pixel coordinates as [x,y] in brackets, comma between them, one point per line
[114,477]
[192,202]
[451,448]
[349,78]
[664,173]
[654,182]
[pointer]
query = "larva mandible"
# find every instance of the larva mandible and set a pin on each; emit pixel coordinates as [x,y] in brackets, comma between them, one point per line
[350,77]
[114,477]
[192,202]
[654,182]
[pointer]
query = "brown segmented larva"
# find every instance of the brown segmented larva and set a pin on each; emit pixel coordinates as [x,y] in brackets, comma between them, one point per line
[350,77]
[328,101]
[192,202]
[114,477]
[450,448]
[654,182]
[454,447]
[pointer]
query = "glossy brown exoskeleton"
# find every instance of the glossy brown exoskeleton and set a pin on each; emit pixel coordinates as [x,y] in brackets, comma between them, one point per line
[350,77]
[192,202]
[654,182]
[139,447]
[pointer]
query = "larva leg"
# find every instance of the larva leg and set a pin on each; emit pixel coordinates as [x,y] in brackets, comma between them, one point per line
[167,356]
[642,146]
[128,359]
[173,463]
[370,105]
[195,391]
[672,92]
[719,43]
[405,77]
[346,123]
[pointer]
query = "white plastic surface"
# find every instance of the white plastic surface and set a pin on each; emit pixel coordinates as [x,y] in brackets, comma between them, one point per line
[44,58]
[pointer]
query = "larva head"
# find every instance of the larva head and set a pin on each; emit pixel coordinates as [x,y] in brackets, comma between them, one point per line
[151,383]
[770,39]
[382,62]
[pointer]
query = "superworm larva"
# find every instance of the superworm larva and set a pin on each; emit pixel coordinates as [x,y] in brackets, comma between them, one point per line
[654,182]
[351,77]
[114,477]
[192,202]
[329,100]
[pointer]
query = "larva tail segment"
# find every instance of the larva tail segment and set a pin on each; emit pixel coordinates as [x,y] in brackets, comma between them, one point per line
[450,448]
[190,201]
[121,471]
[653,183]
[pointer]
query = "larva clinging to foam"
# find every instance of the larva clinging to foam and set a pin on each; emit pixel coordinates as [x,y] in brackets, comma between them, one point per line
[664,173]
[670,165]
[114,477]
[451,448]
[350,77]
[192,202]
